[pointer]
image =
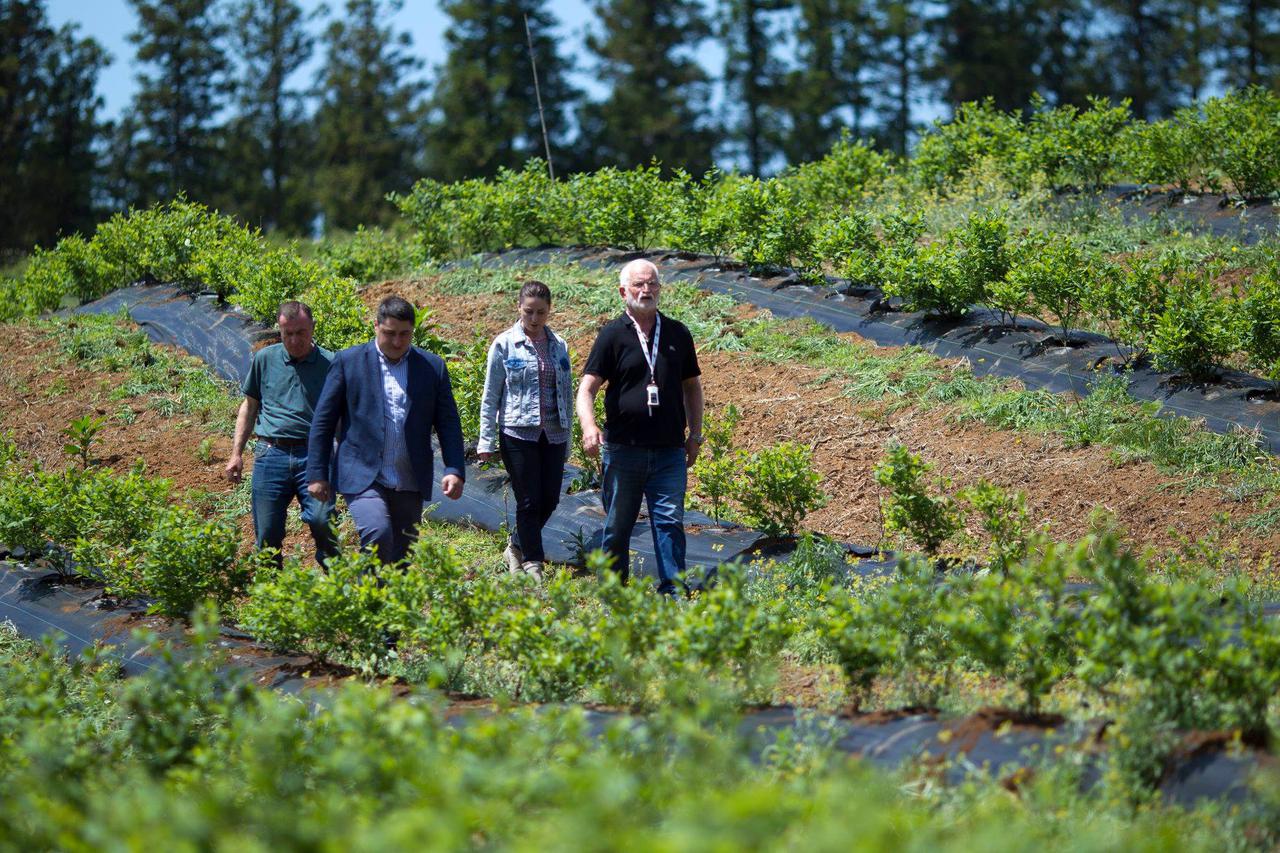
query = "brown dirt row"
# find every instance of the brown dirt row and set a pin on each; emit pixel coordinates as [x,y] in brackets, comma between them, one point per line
[1063,485]
[41,391]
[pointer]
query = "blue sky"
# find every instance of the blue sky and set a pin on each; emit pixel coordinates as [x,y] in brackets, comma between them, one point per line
[111,21]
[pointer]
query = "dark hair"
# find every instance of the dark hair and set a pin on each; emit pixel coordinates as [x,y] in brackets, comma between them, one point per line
[395,308]
[536,290]
[293,309]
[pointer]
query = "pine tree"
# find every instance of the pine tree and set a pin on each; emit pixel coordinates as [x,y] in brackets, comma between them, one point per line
[1252,43]
[1068,62]
[269,136]
[828,91]
[754,80]
[1146,54]
[183,87]
[985,50]
[657,101]
[900,26]
[369,118]
[49,126]
[485,108]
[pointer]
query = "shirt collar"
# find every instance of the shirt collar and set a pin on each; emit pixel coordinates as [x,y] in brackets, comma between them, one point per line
[383,356]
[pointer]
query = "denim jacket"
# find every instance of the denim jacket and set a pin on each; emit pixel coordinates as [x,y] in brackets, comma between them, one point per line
[511,394]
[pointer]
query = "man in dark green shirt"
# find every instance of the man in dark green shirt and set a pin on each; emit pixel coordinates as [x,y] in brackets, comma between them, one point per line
[280,394]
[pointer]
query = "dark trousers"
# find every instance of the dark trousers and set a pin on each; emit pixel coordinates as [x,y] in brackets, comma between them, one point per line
[536,469]
[387,520]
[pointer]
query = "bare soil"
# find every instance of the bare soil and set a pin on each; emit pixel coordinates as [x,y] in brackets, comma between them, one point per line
[1063,485]
[41,391]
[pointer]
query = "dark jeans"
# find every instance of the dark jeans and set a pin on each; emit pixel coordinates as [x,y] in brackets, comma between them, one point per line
[659,475]
[279,476]
[387,520]
[536,469]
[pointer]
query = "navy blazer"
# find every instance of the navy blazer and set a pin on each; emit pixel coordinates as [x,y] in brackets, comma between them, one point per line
[351,407]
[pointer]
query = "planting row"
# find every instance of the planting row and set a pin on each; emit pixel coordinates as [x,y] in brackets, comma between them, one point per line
[1157,642]
[189,757]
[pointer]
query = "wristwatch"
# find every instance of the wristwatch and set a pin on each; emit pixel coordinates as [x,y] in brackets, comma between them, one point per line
[696,439]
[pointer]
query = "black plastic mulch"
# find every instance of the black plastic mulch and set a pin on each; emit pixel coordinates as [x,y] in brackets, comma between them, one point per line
[78,616]
[1032,353]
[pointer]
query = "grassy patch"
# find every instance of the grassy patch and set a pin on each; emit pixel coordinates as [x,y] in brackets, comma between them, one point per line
[172,383]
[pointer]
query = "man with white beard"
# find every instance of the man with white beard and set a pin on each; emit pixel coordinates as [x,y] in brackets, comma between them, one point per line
[653,395]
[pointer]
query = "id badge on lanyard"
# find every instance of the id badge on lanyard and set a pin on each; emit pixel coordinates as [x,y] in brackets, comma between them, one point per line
[651,359]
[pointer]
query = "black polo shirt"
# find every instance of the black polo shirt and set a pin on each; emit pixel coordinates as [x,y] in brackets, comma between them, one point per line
[616,358]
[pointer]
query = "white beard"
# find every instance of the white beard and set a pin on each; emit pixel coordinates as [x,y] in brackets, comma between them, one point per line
[635,306]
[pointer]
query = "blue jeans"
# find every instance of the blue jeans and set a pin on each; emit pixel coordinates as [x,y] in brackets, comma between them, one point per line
[660,476]
[279,476]
[387,520]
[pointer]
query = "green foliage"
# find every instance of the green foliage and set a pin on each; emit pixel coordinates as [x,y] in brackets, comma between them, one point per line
[466,376]
[1197,328]
[1005,519]
[909,509]
[1056,273]
[1241,138]
[1169,151]
[1260,322]
[367,255]
[82,435]
[977,130]
[1073,147]
[1129,297]
[777,487]
[849,243]
[187,244]
[1020,624]
[843,178]
[343,611]
[186,560]
[717,463]
[626,208]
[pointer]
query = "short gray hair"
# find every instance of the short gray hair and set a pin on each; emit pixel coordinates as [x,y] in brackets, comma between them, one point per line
[624,275]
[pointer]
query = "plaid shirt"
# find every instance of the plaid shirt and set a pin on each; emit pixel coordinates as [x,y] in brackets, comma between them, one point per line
[557,433]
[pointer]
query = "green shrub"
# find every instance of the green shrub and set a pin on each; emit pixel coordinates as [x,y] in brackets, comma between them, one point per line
[1197,328]
[909,509]
[777,487]
[1073,147]
[717,463]
[977,130]
[1242,140]
[1170,151]
[1129,297]
[343,612]
[1260,322]
[1020,624]
[626,208]
[186,560]
[366,255]
[1005,519]
[341,317]
[840,180]
[1058,275]
[850,245]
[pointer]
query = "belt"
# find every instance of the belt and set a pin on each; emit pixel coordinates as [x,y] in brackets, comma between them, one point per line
[283,442]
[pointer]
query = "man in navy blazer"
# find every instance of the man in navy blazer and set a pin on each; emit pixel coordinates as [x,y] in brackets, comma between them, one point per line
[382,400]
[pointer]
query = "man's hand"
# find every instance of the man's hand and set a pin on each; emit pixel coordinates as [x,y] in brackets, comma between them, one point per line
[591,440]
[691,449]
[235,467]
[320,490]
[451,485]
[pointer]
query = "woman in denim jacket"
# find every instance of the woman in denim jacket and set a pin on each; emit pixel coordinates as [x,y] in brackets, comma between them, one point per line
[528,397]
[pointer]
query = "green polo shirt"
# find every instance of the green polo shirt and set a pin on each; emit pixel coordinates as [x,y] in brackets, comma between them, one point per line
[287,390]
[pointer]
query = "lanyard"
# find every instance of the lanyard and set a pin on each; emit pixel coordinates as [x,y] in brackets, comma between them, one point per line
[650,359]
